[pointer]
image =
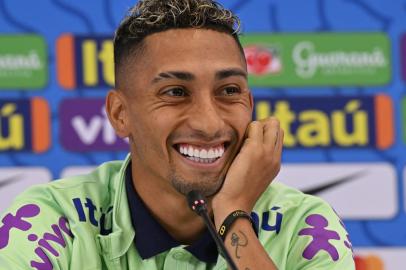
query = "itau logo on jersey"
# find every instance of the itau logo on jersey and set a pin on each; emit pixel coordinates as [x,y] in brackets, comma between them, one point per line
[85,61]
[332,121]
[24,125]
[23,62]
[318,59]
[85,126]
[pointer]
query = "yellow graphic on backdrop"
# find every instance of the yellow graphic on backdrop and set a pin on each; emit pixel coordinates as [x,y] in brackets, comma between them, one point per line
[13,136]
[318,128]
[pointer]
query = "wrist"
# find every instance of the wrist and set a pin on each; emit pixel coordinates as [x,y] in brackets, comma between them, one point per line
[222,209]
[234,218]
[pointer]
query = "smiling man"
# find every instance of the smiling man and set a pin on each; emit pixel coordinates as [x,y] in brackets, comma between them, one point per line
[182,99]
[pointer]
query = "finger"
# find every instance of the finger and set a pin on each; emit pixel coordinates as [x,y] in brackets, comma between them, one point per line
[255,131]
[279,144]
[271,132]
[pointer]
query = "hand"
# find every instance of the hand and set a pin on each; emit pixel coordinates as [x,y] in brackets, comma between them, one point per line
[252,170]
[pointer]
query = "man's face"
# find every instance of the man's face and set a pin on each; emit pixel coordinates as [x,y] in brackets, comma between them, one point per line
[188,105]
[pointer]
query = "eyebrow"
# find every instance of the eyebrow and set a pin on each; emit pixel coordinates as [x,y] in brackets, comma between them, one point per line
[223,74]
[181,75]
[187,76]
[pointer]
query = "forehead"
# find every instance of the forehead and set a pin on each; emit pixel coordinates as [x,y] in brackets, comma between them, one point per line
[194,49]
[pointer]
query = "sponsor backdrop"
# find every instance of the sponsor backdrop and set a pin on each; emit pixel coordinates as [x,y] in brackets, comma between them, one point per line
[332,71]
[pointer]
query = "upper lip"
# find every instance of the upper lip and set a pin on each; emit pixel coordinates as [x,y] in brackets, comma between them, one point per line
[204,144]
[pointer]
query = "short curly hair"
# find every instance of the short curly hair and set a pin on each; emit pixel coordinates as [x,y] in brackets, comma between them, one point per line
[153,16]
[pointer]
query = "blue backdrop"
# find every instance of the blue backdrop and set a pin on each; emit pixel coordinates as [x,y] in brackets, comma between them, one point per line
[52,18]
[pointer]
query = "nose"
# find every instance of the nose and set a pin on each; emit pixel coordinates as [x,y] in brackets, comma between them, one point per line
[205,117]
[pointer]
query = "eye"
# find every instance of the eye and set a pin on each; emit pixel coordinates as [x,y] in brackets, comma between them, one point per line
[231,90]
[176,92]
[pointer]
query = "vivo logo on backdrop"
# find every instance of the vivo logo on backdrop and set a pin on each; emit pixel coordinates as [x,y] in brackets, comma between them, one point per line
[85,127]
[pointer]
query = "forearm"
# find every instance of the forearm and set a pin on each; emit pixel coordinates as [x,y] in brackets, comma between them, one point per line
[251,172]
[245,248]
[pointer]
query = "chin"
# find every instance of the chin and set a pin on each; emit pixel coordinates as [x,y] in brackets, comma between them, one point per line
[208,187]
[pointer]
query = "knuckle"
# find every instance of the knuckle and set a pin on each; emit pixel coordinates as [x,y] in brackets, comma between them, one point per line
[274,121]
[255,123]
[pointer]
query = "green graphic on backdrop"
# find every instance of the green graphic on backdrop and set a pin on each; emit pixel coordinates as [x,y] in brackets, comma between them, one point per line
[324,59]
[23,62]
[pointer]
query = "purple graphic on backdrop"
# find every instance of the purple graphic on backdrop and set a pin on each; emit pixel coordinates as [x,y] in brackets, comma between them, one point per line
[403,56]
[321,237]
[84,126]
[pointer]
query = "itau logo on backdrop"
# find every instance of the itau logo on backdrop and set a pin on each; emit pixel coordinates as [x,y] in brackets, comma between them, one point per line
[85,61]
[344,122]
[85,126]
[24,125]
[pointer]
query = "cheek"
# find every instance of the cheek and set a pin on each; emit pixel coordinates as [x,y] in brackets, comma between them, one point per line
[151,134]
[242,127]
[239,118]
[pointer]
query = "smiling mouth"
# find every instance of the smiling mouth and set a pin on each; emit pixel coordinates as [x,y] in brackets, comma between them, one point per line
[201,154]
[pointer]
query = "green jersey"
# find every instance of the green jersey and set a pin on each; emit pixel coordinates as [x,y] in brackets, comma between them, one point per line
[85,223]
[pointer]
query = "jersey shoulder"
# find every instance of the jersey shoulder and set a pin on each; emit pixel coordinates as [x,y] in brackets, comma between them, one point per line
[38,229]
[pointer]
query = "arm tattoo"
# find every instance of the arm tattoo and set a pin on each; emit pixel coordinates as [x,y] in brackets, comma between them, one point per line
[235,241]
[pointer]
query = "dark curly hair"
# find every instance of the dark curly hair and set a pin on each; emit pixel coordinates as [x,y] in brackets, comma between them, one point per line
[152,16]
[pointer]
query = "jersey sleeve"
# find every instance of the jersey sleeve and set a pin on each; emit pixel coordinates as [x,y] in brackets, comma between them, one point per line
[320,240]
[34,234]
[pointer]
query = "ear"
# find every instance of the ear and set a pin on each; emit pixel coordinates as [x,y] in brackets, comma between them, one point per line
[117,112]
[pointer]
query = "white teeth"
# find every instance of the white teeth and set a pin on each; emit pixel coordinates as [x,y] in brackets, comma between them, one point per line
[202,155]
[210,154]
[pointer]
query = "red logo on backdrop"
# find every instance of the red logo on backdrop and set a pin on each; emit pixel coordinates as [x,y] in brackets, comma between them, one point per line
[262,61]
[369,262]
